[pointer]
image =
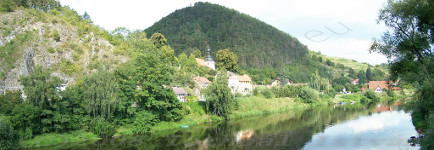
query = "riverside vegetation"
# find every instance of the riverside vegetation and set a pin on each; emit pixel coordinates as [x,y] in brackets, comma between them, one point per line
[111,97]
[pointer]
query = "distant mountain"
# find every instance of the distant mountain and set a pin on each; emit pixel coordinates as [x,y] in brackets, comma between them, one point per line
[256,43]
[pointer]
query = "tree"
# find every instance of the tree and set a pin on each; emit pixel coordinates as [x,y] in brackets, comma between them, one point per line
[158,39]
[219,98]
[56,35]
[197,53]
[352,74]
[40,88]
[6,133]
[227,60]
[6,6]
[369,75]
[362,77]
[100,95]
[409,46]
[87,17]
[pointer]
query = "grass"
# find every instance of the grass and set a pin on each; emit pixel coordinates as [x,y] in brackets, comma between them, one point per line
[254,106]
[59,138]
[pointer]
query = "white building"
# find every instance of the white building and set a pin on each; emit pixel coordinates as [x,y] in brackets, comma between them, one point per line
[209,61]
[239,84]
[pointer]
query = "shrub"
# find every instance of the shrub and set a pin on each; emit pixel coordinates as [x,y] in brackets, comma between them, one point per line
[364,100]
[144,121]
[6,133]
[371,95]
[55,35]
[101,127]
[390,93]
[51,50]
[309,95]
[267,93]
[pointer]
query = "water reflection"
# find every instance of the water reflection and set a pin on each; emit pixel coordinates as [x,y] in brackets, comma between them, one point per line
[343,127]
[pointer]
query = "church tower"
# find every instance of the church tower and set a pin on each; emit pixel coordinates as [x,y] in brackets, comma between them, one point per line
[209,61]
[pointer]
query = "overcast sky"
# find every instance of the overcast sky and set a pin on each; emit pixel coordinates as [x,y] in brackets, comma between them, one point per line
[339,28]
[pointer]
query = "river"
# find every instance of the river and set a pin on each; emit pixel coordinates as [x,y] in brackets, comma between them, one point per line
[334,127]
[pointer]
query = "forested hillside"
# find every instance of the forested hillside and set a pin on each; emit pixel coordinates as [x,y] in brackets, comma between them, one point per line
[256,43]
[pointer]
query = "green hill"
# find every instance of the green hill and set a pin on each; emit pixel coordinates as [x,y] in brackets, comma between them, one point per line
[256,43]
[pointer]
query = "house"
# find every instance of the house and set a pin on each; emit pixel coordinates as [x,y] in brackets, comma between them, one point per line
[180,94]
[378,86]
[202,81]
[354,81]
[239,84]
[209,62]
[278,83]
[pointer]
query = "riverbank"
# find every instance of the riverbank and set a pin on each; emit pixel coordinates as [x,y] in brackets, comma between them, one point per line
[196,114]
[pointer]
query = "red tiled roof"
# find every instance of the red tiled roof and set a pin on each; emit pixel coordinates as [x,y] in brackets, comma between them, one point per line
[375,84]
[202,80]
[200,62]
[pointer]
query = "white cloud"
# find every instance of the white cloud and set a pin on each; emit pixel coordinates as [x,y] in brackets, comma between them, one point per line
[295,17]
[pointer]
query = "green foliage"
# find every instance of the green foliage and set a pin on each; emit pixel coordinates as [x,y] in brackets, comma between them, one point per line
[69,68]
[371,95]
[267,93]
[6,6]
[11,51]
[197,53]
[9,101]
[55,35]
[309,95]
[51,50]
[49,139]
[219,98]
[101,127]
[26,121]
[40,80]
[364,100]
[6,133]
[218,27]
[330,63]
[101,94]
[158,40]
[227,60]
[145,80]
[144,121]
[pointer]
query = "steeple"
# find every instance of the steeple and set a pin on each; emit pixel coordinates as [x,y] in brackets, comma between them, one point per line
[208,57]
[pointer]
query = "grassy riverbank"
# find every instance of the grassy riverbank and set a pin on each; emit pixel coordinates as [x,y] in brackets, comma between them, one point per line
[58,138]
[247,107]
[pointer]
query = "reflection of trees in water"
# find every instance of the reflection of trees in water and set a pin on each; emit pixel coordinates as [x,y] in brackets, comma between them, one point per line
[290,130]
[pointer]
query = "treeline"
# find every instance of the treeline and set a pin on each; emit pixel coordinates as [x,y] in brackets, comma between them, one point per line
[44,5]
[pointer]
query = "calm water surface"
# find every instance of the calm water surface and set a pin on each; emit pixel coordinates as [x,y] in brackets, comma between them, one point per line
[339,127]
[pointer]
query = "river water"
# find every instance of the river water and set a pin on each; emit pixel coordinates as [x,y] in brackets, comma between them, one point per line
[336,127]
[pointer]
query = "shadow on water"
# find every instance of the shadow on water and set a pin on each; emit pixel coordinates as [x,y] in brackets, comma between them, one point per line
[292,130]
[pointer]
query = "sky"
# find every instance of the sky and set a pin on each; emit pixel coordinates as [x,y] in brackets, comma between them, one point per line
[338,28]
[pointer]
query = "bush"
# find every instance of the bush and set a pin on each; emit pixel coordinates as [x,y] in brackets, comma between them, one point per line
[51,50]
[101,127]
[390,93]
[309,95]
[364,100]
[6,133]
[56,35]
[144,121]
[371,95]
[267,93]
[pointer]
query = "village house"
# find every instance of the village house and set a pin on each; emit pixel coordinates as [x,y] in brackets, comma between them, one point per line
[378,86]
[239,84]
[354,81]
[209,62]
[181,94]
[278,83]
[202,81]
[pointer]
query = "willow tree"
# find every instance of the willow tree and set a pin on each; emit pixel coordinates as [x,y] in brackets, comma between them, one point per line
[100,93]
[219,98]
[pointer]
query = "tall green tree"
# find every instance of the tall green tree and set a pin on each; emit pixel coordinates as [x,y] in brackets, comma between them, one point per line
[369,74]
[101,93]
[409,46]
[362,77]
[219,98]
[227,60]
[40,88]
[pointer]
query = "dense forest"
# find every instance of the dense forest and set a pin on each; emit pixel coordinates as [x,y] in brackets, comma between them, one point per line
[255,42]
